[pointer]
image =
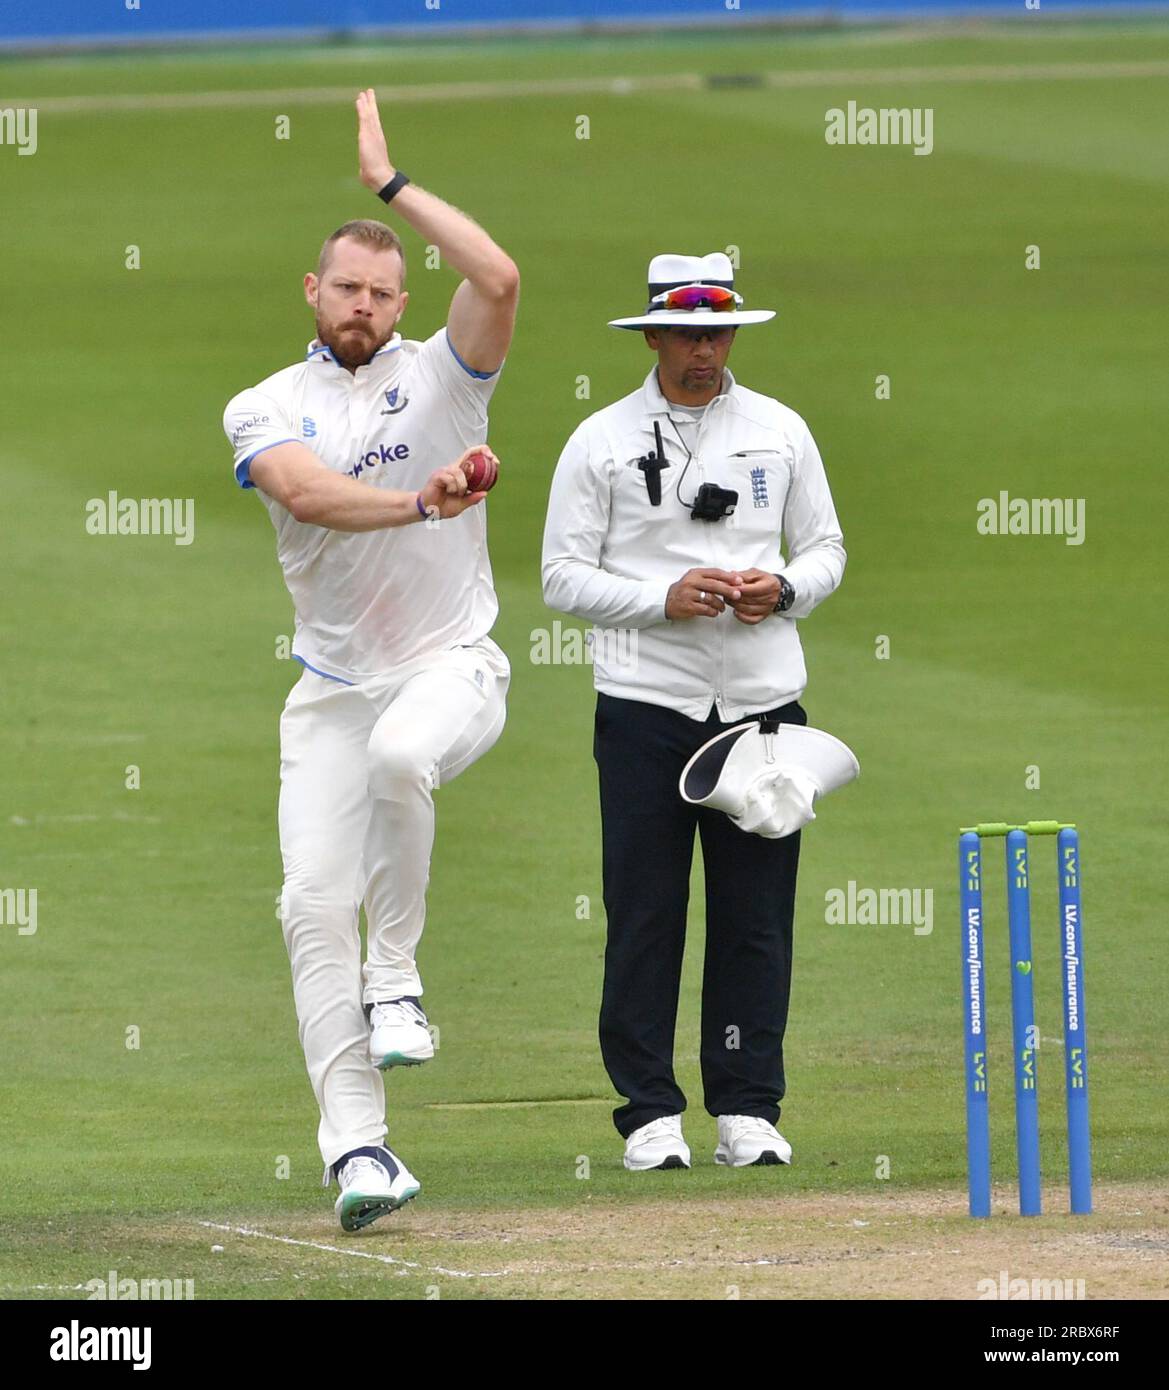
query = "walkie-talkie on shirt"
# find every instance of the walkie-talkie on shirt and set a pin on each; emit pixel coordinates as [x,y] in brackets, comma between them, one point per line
[652,466]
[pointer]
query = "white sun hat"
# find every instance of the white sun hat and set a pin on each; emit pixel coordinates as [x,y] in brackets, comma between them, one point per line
[766,776]
[690,274]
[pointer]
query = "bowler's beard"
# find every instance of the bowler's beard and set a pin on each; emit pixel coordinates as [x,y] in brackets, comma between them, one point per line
[353,341]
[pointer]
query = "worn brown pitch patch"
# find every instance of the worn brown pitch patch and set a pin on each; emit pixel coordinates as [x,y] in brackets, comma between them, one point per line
[892,1245]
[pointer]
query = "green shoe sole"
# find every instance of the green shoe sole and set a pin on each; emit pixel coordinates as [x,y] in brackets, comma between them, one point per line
[397,1059]
[358,1211]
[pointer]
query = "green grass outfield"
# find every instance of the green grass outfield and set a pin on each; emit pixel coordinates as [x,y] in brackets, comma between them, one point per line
[156,906]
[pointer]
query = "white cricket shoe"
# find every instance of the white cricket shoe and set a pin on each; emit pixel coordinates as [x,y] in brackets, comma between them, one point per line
[373,1187]
[658,1144]
[399,1034]
[747,1139]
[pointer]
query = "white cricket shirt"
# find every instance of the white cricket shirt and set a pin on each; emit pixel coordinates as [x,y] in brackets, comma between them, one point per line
[368,601]
[610,556]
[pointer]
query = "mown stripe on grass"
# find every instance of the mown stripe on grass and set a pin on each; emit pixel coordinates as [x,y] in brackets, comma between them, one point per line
[513,1104]
[602,86]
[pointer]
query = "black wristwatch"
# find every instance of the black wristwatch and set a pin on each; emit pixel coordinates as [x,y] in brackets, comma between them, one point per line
[787,595]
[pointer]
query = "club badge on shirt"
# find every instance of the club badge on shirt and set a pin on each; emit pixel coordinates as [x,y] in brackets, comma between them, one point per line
[396,400]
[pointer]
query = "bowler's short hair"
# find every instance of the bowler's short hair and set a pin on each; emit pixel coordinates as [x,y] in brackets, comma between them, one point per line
[368,233]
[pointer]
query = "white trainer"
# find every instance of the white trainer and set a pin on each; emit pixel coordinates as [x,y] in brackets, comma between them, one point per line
[399,1034]
[371,1188]
[747,1139]
[658,1144]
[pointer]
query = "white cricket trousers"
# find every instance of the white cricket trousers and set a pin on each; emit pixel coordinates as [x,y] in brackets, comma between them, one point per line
[358,764]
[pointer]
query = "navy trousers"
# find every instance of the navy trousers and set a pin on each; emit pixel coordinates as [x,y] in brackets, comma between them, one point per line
[648,848]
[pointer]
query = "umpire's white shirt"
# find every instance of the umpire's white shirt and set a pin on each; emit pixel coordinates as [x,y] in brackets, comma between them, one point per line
[366,602]
[610,556]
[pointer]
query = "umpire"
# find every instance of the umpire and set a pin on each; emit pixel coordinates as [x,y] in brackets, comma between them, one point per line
[669,518]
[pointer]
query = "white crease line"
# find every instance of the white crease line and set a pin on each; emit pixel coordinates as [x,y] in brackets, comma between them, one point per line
[357,1254]
[713,1265]
[613,86]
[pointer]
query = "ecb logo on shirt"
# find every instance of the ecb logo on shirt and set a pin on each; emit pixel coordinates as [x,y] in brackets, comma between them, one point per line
[397,401]
[759,487]
[308,427]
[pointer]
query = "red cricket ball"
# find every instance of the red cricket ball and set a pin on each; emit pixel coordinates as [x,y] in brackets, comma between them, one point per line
[482,472]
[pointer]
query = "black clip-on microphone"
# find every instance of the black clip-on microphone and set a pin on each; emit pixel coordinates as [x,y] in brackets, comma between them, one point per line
[652,466]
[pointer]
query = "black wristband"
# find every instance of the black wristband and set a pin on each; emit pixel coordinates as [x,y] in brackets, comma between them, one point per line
[394,187]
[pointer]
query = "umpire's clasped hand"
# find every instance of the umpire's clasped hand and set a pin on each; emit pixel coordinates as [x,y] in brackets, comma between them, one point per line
[702,593]
[705,593]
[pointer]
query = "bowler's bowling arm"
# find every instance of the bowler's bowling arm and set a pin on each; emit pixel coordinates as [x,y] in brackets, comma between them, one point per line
[483,310]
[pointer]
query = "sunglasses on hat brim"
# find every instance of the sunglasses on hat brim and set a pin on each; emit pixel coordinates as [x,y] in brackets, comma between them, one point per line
[712,297]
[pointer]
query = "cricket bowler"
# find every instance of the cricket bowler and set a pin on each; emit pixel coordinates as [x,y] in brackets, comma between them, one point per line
[361,454]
